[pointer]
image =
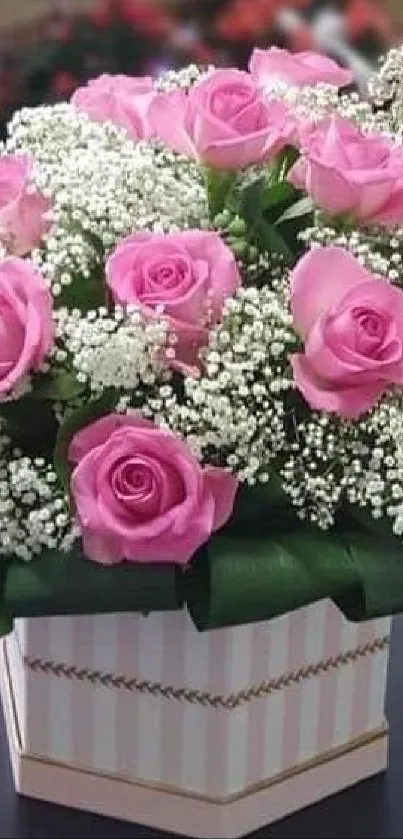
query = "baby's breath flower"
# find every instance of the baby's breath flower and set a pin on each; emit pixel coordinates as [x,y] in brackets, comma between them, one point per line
[233,414]
[34,513]
[119,351]
[103,186]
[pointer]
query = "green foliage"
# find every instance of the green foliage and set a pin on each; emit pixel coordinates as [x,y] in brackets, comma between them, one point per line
[83,416]
[31,425]
[276,566]
[69,584]
[59,385]
[265,212]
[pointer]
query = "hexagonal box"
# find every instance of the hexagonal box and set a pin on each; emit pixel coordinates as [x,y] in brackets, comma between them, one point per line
[215,734]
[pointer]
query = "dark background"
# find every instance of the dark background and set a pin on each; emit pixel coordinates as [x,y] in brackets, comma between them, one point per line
[371,810]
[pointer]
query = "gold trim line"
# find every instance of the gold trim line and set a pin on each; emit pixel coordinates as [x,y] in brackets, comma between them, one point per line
[196,697]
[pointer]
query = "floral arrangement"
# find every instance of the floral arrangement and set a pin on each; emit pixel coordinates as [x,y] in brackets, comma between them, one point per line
[201,345]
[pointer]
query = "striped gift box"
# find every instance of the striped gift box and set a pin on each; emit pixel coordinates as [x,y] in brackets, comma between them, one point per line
[212,720]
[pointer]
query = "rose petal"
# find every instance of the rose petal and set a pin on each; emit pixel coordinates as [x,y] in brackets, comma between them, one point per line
[348,402]
[123,100]
[391,214]
[101,548]
[223,487]
[304,68]
[298,173]
[244,151]
[330,188]
[99,431]
[320,281]
[167,118]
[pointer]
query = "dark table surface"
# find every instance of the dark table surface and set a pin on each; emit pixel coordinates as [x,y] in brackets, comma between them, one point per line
[371,810]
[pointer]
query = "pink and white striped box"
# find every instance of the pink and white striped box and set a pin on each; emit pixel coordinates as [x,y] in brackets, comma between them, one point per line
[204,734]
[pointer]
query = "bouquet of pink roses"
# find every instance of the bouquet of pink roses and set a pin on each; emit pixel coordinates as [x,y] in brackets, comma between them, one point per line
[201,345]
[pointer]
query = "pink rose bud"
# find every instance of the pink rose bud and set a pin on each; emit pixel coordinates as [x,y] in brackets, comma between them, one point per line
[123,100]
[23,209]
[141,495]
[189,274]
[352,325]
[269,67]
[348,172]
[224,121]
[26,333]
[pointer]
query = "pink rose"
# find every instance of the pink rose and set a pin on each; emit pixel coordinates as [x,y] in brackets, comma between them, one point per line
[346,171]
[22,207]
[26,325]
[274,65]
[141,495]
[352,324]
[123,100]
[223,121]
[189,274]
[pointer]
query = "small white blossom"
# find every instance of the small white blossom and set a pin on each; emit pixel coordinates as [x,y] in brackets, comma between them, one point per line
[34,514]
[103,186]
[123,352]
[233,414]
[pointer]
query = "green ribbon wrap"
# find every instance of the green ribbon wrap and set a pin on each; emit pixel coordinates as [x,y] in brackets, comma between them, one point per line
[263,564]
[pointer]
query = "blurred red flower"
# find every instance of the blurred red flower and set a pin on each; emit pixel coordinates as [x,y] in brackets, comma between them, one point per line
[63,84]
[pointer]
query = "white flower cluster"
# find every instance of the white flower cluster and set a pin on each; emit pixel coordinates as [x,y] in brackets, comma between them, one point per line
[34,513]
[382,485]
[103,186]
[379,250]
[234,414]
[332,462]
[386,89]
[119,351]
[320,466]
[323,100]
[184,78]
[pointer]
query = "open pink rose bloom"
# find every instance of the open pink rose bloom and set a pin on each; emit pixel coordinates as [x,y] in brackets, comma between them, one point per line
[141,495]
[122,100]
[23,209]
[223,121]
[351,173]
[352,326]
[26,326]
[186,275]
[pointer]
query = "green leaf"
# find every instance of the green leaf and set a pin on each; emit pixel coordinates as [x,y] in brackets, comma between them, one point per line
[70,584]
[59,386]
[31,424]
[279,567]
[243,580]
[219,184]
[303,207]
[378,572]
[260,196]
[6,624]
[251,200]
[78,419]
[264,507]
[271,240]
[282,164]
[85,293]
[279,193]
[6,621]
